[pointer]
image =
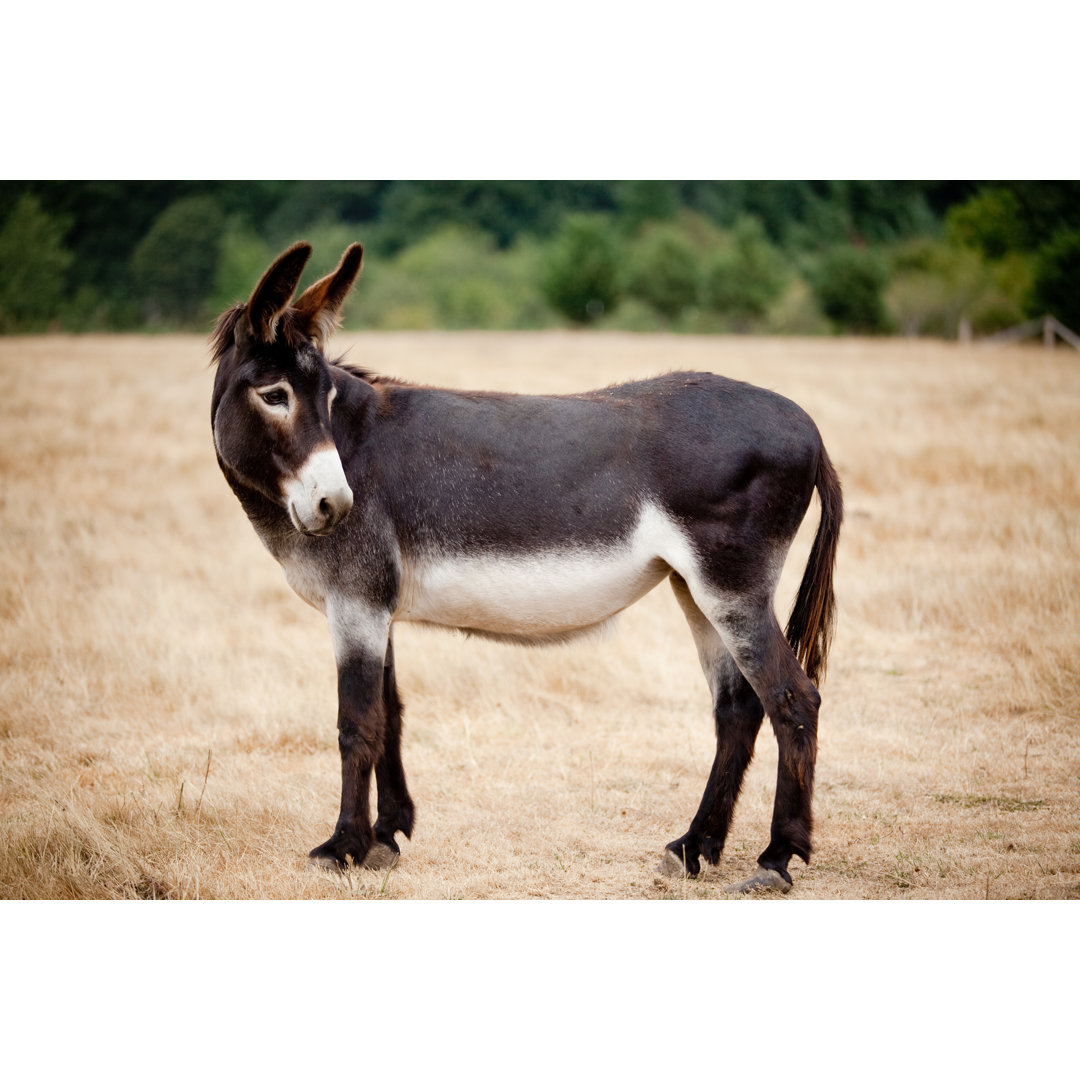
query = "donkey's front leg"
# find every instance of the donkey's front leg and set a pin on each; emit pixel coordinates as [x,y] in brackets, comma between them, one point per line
[360,641]
[396,812]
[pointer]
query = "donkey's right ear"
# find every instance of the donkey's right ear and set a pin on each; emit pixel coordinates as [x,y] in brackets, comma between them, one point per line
[273,293]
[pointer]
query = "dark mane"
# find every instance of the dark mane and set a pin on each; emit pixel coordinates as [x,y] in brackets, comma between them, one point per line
[223,336]
[343,363]
[224,332]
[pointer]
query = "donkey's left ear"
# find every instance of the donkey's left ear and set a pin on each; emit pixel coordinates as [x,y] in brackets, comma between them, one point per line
[272,294]
[320,304]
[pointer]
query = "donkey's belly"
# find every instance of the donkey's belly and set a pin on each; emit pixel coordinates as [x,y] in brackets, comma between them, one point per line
[538,596]
[549,594]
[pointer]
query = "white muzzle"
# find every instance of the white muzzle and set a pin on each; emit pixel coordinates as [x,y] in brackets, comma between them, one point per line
[318,497]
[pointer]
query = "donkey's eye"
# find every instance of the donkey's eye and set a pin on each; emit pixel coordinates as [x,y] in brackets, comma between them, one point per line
[275,397]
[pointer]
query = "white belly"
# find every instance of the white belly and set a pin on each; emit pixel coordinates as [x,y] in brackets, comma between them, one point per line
[551,594]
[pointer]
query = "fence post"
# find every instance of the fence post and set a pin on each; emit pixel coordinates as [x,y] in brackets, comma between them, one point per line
[1048,333]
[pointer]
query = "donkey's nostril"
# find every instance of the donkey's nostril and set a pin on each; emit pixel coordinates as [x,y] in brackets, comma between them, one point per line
[326,509]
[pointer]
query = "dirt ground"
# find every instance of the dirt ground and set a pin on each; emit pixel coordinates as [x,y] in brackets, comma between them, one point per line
[167,711]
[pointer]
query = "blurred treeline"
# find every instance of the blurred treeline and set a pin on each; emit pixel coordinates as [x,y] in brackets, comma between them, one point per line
[799,257]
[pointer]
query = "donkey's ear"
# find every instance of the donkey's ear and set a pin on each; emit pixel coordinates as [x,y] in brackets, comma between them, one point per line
[274,291]
[320,304]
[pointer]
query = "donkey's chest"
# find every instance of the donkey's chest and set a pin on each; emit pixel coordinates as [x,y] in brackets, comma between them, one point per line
[306,578]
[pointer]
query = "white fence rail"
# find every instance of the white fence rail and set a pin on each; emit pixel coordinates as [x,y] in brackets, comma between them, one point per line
[1048,325]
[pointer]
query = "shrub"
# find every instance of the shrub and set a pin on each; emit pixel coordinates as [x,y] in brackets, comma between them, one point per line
[1056,288]
[580,275]
[935,286]
[746,276]
[990,222]
[663,270]
[795,310]
[242,258]
[635,316]
[848,287]
[641,201]
[455,279]
[33,264]
[175,262]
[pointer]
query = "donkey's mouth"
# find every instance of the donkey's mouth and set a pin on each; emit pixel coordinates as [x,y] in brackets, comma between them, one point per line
[329,522]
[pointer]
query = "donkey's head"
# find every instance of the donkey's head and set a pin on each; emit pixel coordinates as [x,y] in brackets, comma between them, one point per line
[274,392]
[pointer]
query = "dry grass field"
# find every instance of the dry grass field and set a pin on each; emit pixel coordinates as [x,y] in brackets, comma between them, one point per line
[167,708]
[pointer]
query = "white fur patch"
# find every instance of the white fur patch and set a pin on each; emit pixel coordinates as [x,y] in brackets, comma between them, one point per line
[320,477]
[710,646]
[548,594]
[356,628]
[308,583]
[726,611]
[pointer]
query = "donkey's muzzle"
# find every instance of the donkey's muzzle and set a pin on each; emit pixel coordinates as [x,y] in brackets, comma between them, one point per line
[318,497]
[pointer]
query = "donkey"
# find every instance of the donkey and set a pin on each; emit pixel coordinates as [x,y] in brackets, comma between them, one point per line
[533,519]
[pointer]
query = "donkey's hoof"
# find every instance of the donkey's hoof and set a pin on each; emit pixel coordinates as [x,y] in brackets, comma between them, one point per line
[762,881]
[380,857]
[324,863]
[671,866]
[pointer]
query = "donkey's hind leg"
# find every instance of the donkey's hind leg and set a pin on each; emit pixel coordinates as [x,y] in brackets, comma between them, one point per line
[395,805]
[737,714]
[751,633]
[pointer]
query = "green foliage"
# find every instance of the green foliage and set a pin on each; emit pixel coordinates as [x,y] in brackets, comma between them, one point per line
[848,287]
[243,257]
[457,279]
[504,209]
[1000,304]
[796,311]
[1056,286]
[932,287]
[745,276]
[33,264]
[580,276]
[935,286]
[663,270]
[701,256]
[174,265]
[642,201]
[635,316]
[988,222]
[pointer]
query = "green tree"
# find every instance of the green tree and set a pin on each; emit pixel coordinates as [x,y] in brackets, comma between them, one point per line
[848,287]
[747,275]
[1056,288]
[33,267]
[242,258]
[459,271]
[174,264]
[664,271]
[641,201]
[580,276]
[936,287]
[989,222]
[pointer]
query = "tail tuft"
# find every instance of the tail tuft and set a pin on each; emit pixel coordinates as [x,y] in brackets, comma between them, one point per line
[813,615]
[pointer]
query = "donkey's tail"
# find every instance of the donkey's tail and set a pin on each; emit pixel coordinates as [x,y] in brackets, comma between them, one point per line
[813,615]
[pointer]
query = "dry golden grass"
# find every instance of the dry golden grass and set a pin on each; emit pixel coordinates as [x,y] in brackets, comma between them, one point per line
[167,704]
